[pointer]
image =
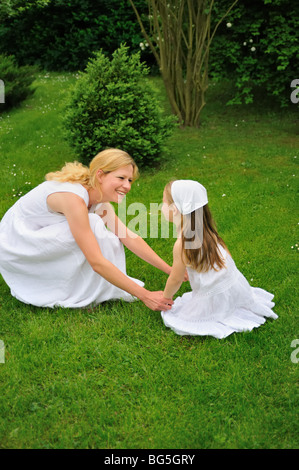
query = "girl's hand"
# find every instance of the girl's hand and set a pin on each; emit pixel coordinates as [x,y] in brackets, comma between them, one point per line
[156,301]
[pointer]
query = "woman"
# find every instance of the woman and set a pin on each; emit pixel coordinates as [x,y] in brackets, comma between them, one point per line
[55,251]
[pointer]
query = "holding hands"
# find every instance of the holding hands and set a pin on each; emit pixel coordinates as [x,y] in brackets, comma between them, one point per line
[156,300]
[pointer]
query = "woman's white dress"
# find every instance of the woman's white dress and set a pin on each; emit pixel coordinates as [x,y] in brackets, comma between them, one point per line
[40,260]
[221,303]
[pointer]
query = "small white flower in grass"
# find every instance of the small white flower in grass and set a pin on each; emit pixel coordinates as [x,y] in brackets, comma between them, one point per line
[223,195]
[250,40]
[228,25]
[253,49]
[244,43]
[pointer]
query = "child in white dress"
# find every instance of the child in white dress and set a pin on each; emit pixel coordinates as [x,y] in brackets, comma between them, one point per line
[221,301]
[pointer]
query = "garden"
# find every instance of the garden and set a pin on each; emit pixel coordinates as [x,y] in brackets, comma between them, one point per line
[113,376]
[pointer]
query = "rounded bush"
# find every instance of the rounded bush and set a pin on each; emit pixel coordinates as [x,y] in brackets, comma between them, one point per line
[112,105]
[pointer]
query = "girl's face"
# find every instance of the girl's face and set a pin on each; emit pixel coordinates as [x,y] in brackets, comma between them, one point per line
[166,209]
[116,184]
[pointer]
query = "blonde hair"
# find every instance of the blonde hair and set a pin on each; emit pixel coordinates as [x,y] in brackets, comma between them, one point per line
[207,256]
[107,161]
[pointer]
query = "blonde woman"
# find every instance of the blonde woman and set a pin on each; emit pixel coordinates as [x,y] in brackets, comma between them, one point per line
[55,251]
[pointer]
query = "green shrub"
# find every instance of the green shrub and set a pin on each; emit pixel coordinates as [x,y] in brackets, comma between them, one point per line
[17,81]
[112,105]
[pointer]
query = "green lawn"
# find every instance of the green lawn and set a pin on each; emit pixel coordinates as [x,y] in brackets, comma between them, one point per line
[114,377]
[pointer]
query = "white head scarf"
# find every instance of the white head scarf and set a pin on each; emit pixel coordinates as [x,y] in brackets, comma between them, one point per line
[188,195]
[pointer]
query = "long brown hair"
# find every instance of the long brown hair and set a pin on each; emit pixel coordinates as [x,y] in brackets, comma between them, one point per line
[206,255]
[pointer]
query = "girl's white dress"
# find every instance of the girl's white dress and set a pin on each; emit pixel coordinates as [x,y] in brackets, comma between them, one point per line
[40,260]
[221,303]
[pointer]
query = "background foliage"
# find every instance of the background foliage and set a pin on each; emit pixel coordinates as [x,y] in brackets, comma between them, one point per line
[256,46]
[17,81]
[62,35]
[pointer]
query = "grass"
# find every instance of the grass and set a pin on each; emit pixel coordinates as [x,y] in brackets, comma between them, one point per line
[114,377]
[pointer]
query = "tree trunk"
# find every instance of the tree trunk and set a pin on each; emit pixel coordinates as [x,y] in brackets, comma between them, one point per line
[180,38]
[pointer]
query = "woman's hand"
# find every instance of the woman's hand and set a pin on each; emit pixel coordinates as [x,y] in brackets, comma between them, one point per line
[156,301]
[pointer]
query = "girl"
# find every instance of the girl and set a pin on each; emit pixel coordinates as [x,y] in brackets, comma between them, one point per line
[56,251]
[221,301]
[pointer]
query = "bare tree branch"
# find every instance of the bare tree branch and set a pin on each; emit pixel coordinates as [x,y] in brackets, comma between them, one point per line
[180,38]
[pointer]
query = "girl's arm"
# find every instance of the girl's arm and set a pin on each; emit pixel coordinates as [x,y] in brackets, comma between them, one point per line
[76,213]
[176,276]
[131,240]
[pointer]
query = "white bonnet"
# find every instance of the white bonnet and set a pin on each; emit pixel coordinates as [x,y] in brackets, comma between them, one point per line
[188,195]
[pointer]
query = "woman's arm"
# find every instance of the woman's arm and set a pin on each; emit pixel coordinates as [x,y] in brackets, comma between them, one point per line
[176,276]
[131,240]
[76,213]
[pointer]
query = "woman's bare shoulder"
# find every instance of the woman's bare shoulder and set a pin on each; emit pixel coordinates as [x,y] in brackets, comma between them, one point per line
[59,201]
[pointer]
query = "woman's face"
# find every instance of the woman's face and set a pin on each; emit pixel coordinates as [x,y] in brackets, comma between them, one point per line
[116,184]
